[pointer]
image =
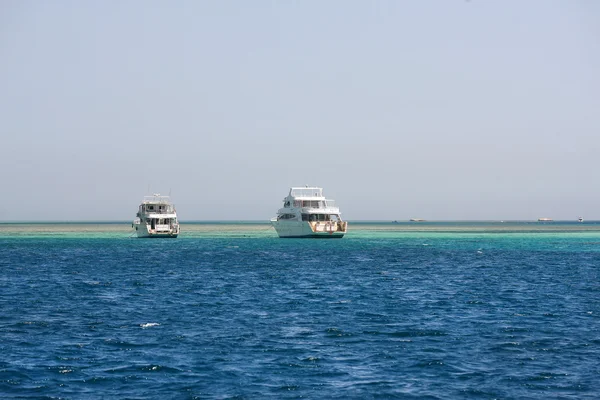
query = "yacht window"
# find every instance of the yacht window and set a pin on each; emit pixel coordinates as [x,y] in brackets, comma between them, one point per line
[287,216]
[310,203]
[304,217]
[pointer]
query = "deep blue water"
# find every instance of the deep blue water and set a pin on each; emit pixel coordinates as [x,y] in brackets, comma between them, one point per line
[375,316]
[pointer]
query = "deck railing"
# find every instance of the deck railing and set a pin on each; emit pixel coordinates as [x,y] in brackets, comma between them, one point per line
[171,211]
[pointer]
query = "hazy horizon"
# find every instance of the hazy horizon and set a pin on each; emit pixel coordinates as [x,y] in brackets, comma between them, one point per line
[446,111]
[267,221]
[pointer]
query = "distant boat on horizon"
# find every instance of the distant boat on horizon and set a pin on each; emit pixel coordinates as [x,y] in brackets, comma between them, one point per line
[417,220]
[545,220]
[580,219]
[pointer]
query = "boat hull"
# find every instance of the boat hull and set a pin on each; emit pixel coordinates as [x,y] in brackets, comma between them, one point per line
[304,230]
[143,231]
[315,236]
[158,236]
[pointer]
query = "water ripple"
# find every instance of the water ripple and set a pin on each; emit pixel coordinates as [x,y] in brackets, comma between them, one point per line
[463,317]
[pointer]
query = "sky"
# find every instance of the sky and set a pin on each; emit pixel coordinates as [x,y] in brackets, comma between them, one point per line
[434,109]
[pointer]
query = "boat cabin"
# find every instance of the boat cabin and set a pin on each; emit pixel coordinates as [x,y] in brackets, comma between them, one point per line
[156,208]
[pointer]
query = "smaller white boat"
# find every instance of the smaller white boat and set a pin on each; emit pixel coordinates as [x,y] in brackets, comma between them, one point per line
[580,219]
[417,220]
[545,220]
[156,218]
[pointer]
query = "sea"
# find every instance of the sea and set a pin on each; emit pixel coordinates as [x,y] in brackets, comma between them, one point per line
[394,310]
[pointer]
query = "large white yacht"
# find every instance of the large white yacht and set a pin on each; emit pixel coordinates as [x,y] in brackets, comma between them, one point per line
[307,214]
[156,217]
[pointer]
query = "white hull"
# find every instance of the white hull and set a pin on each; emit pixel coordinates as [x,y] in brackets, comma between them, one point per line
[306,229]
[145,231]
[160,231]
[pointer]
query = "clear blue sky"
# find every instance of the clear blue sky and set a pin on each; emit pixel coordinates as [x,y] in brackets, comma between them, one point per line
[398,109]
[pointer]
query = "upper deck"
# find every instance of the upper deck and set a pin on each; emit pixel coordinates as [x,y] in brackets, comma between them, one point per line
[157,204]
[306,193]
[309,199]
[156,198]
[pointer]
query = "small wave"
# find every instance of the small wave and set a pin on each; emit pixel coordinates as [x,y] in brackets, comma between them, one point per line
[289,388]
[135,368]
[335,332]
[312,359]
[415,333]
[429,363]
[149,325]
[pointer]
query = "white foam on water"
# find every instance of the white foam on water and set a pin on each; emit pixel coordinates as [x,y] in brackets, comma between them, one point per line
[149,324]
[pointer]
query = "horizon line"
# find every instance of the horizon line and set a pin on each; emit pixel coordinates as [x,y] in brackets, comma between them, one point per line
[84,221]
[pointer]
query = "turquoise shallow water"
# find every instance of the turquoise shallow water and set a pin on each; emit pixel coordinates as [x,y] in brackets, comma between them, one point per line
[228,310]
